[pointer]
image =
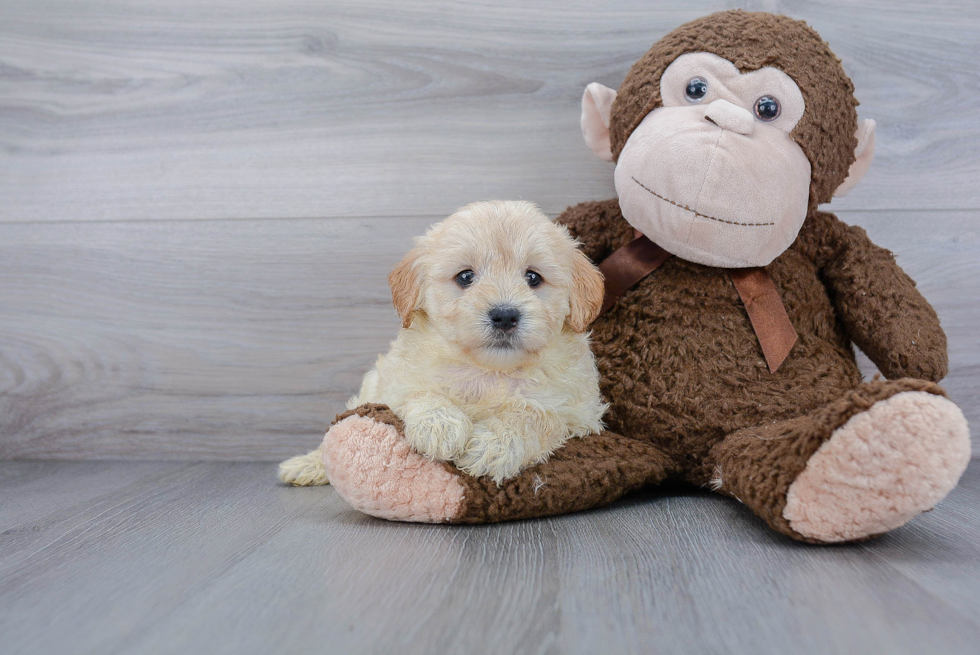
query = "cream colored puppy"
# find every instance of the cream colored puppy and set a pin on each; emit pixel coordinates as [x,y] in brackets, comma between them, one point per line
[492,368]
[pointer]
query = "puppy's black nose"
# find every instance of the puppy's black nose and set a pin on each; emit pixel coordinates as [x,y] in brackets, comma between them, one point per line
[504,318]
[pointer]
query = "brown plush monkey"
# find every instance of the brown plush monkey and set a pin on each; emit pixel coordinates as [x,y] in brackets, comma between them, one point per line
[730,364]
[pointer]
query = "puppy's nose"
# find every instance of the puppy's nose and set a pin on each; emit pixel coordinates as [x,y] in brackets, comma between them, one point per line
[504,318]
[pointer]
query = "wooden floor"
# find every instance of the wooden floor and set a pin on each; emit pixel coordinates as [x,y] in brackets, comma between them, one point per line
[135,557]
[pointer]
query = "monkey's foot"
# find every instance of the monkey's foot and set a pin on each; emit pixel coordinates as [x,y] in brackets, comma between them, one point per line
[880,469]
[372,467]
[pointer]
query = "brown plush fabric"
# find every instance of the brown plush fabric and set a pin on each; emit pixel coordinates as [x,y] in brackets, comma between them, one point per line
[877,302]
[751,41]
[682,367]
[782,450]
[612,230]
[584,473]
[380,413]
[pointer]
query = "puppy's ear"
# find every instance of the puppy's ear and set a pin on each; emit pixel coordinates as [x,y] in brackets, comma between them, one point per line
[588,289]
[406,292]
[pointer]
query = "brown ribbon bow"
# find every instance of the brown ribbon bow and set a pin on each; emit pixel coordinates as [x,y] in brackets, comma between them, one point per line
[772,326]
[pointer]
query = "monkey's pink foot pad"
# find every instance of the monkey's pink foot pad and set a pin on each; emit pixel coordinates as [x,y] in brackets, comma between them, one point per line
[881,468]
[373,468]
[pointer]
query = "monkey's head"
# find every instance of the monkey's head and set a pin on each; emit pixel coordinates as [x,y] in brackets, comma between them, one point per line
[727,134]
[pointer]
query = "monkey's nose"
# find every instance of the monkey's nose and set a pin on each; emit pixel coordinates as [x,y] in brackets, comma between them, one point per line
[731,117]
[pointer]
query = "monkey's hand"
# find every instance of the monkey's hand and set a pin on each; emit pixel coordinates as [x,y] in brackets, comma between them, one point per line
[882,311]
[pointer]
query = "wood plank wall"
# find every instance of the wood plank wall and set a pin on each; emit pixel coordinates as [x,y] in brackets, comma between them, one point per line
[199,202]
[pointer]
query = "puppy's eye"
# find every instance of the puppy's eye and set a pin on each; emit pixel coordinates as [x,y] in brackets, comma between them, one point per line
[534,279]
[465,278]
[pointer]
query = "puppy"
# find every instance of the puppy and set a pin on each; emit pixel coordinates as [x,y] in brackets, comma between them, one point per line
[492,368]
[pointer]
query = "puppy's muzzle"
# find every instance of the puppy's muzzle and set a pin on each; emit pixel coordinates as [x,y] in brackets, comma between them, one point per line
[504,318]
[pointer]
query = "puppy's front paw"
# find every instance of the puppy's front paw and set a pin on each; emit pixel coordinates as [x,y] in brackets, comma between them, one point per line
[494,449]
[437,432]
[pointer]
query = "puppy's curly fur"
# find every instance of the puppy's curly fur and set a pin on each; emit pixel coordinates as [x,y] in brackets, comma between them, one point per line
[490,400]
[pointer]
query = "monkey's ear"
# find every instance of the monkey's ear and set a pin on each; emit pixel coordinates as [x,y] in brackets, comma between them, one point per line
[596,109]
[864,154]
[588,289]
[406,292]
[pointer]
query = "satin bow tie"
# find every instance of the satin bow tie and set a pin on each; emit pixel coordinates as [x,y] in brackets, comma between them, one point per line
[772,326]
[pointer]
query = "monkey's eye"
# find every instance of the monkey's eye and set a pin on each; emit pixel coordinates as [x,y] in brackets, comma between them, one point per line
[534,279]
[465,278]
[767,108]
[696,89]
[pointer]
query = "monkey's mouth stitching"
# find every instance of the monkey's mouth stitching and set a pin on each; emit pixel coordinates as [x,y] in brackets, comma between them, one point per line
[696,214]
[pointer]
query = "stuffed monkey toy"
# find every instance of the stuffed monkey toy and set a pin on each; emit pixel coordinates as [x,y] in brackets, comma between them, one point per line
[732,304]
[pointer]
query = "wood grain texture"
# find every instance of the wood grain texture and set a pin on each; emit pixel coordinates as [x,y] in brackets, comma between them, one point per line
[237,340]
[219,558]
[27,491]
[120,109]
[241,340]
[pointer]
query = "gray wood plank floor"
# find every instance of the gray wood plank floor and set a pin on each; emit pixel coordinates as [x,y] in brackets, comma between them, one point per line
[172,557]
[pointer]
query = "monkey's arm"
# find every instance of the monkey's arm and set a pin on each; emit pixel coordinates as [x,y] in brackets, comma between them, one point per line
[600,227]
[882,311]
